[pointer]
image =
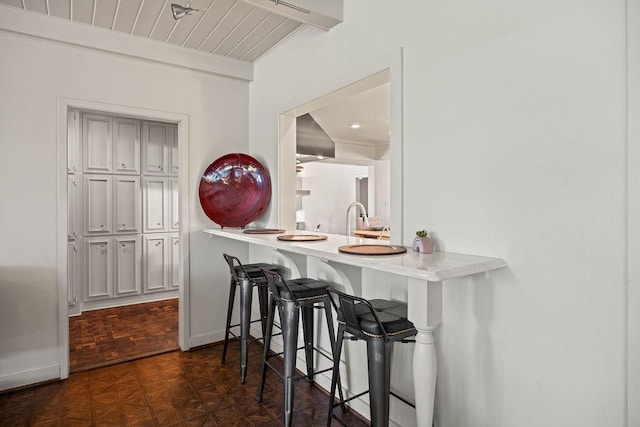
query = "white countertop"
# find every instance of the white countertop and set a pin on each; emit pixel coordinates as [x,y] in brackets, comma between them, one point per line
[433,267]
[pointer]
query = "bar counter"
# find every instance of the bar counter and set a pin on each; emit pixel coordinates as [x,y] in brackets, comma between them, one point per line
[424,275]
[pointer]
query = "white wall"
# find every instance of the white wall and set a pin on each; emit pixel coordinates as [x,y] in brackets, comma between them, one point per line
[333,189]
[514,146]
[32,77]
[382,184]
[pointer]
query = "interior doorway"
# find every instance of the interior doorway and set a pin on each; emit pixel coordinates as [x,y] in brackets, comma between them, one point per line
[123,225]
[66,107]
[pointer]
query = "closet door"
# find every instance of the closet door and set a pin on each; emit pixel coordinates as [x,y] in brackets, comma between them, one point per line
[97,204]
[154,148]
[155,259]
[155,204]
[174,161]
[128,260]
[72,207]
[174,265]
[98,268]
[97,151]
[73,142]
[174,208]
[126,146]
[127,204]
[72,263]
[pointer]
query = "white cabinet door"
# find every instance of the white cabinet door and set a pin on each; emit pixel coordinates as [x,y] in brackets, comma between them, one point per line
[174,265]
[72,207]
[155,204]
[98,257]
[174,160]
[154,148]
[97,204]
[155,259]
[126,146]
[174,208]
[72,263]
[128,260]
[126,201]
[97,150]
[73,142]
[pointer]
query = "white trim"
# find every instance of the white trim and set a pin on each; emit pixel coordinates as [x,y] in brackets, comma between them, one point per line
[632,293]
[34,376]
[204,339]
[60,30]
[64,104]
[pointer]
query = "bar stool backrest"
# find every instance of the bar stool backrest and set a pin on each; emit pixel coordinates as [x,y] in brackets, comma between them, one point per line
[276,282]
[347,309]
[234,263]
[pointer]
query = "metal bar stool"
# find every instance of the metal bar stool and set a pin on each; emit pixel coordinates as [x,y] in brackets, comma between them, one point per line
[380,323]
[292,297]
[247,277]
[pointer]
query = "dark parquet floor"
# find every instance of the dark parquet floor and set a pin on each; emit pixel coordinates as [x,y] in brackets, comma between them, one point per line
[172,389]
[113,335]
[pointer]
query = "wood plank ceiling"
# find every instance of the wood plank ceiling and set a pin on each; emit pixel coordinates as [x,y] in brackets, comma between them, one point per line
[231,28]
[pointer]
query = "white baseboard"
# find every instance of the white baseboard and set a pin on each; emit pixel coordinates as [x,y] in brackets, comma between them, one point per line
[204,339]
[33,376]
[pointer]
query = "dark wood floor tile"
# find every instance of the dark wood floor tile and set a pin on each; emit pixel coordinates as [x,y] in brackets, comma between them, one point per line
[77,413]
[178,388]
[118,334]
[169,416]
[146,422]
[206,421]
[216,398]
[135,414]
[232,416]
[73,422]
[107,414]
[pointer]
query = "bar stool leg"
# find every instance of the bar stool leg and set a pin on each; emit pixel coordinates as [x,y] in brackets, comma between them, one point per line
[379,363]
[336,370]
[307,331]
[332,339]
[245,324]
[267,344]
[232,297]
[289,318]
[263,298]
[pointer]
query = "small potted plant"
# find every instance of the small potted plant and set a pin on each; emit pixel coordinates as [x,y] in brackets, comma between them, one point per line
[423,242]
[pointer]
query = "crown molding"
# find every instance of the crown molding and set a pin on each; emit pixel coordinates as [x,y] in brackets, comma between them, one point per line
[50,28]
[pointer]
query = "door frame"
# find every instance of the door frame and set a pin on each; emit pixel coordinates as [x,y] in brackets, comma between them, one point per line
[182,120]
[632,289]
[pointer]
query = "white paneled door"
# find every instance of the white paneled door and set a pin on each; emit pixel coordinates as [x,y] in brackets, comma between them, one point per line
[97,151]
[126,146]
[128,257]
[127,204]
[97,204]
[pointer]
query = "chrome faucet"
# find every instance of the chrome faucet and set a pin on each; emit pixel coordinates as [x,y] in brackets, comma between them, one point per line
[363,211]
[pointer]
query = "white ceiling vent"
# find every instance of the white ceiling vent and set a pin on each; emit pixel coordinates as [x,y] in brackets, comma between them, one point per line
[324,14]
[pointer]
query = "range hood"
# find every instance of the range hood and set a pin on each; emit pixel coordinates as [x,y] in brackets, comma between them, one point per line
[312,142]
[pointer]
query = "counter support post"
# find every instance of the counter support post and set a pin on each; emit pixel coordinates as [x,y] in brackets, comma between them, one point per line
[425,311]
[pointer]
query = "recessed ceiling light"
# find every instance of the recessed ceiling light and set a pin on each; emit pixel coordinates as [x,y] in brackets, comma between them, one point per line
[319,157]
[354,125]
[298,155]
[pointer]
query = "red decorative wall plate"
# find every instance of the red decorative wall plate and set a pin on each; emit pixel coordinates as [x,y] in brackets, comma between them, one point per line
[235,190]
